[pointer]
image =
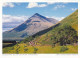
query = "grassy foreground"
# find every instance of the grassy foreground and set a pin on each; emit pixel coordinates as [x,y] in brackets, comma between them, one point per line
[25,49]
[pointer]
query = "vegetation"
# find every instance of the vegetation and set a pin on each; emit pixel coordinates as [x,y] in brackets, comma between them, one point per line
[39,49]
[63,49]
[35,50]
[28,39]
[64,35]
[60,38]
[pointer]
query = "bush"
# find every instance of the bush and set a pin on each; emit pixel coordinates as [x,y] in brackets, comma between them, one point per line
[28,39]
[35,50]
[26,49]
[63,49]
[64,35]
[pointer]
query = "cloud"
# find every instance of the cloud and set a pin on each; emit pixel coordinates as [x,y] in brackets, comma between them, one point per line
[35,4]
[73,9]
[32,4]
[10,21]
[57,18]
[65,2]
[8,4]
[9,25]
[51,2]
[57,2]
[9,18]
[42,5]
[6,29]
[58,6]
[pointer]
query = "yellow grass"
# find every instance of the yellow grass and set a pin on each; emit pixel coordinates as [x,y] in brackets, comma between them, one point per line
[41,49]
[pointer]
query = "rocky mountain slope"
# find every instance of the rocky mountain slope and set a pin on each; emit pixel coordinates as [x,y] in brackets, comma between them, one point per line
[33,25]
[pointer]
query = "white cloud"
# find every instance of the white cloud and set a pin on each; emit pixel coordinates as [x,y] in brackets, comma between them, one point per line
[8,5]
[10,21]
[65,2]
[57,2]
[57,18]
[35,4]
[58,6]
[9,18]
[42,5]
[32,4]
[73,9]
[51,2]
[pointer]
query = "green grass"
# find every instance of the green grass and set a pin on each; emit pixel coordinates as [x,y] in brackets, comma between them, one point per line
[72,20]
[20,49]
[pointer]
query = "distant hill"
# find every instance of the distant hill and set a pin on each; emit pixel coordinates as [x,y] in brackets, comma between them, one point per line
[33,25]
[63,33]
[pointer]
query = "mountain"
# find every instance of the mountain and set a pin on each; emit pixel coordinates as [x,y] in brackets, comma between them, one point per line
[33,25]
[63,33]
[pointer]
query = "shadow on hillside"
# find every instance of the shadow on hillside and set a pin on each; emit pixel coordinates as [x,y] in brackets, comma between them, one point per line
[9,45]
[6,43]
[45,31]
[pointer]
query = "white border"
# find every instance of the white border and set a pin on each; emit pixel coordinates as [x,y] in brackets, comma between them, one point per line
[39,0]
[39,55]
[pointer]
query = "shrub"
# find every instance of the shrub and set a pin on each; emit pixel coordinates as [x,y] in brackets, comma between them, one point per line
[63,49]
[28,39]
[35,50]
[64,35]
[26,49]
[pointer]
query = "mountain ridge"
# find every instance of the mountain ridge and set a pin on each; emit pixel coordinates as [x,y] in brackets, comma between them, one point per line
[31,26]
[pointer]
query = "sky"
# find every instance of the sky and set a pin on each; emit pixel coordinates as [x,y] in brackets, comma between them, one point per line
[16,13]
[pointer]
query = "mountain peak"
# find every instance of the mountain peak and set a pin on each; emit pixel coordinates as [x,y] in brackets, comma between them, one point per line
[36,14]
[31,26]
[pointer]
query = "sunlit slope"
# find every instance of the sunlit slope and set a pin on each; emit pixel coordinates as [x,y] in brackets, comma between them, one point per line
[65,30]
[71,20]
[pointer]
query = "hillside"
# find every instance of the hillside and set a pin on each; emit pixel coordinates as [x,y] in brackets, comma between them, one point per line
[33,25]
[72,20]
[64,33]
